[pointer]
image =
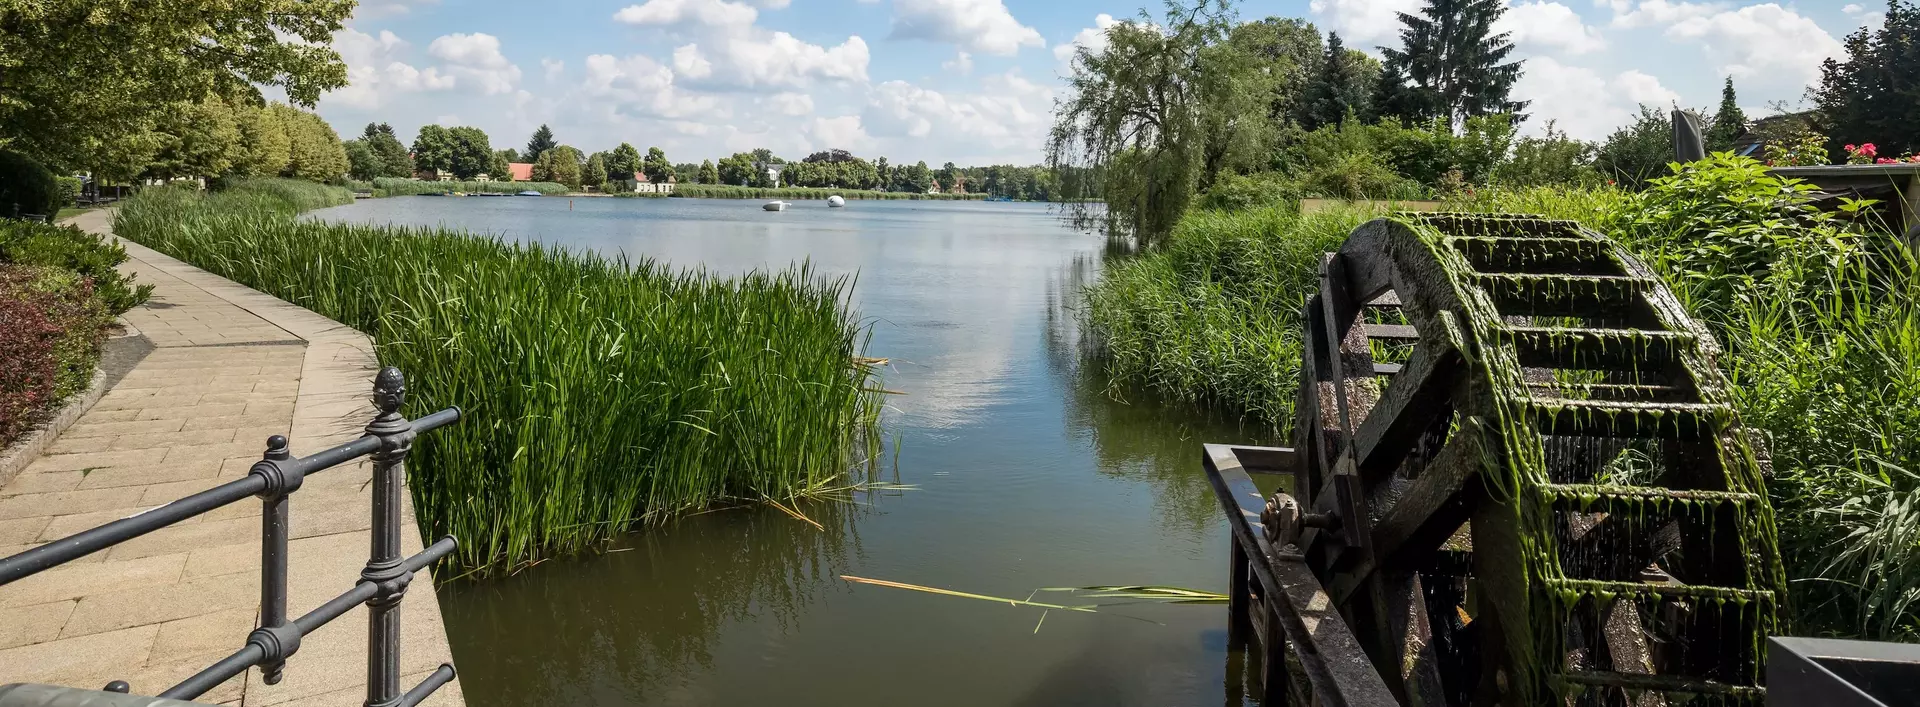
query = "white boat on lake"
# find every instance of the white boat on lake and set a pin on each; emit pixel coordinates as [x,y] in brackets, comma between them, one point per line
[775,206]
[835,201]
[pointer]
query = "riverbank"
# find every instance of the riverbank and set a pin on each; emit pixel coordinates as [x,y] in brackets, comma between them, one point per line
[1819,321]
[736,389]
[228,367]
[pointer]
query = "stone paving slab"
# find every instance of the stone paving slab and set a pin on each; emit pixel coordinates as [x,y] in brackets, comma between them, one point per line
[230,366]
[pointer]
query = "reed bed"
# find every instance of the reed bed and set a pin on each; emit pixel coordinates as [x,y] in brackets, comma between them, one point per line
[725,191]
[390,186]
[599,393]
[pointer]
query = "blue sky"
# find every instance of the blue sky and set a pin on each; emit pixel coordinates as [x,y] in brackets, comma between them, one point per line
[970,81]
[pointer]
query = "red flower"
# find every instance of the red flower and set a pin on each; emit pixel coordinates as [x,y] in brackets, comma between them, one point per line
[1850,148]
[1867,149]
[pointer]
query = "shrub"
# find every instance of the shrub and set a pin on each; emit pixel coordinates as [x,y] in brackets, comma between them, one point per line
[50,330]
[1551,159]
[26,187]
[70,249]
[1235,192]
[69,188]
[1637,153]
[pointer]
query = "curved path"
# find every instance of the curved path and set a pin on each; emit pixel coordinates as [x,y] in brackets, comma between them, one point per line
[229,367]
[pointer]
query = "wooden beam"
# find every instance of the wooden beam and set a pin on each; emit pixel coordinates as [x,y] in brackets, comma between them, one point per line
[1412,401]
[1335,665]
[1427,512]
[1392,332]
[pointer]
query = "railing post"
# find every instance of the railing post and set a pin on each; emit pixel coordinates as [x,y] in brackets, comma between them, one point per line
[384,564]
[274,636]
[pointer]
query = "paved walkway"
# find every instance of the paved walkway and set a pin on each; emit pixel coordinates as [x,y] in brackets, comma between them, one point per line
[230,367]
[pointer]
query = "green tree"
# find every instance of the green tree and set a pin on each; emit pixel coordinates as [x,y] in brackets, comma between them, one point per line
[1729,123]
[1874,95]
[560,164]
[708,173]
[736,169]
[313,148]
[686,172]
[362,164]
[541,141]
[624,161]
[595,172]
[433,149]
[82,74]
[1163,109]
[656,165]
[386,147]
[471,154]
[1552,159]
[500,168]
[1639,152]
[264,147]
[1286,50]
[197,140]
[1454,58]
[1336,90]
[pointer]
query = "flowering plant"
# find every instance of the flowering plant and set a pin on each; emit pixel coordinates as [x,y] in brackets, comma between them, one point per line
[1862,154]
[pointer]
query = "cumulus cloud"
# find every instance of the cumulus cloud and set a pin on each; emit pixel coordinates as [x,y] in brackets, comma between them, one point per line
[843,132]
[1549,26]
[1583,102]
[772,59]
[1007,113]
[713,13]
[377,9]
[475,62]
[553,68]
[1363,23]
[1658,13]
[1761,41]
[639,86]
[375,71]
[961,64]
[788,103]
[984,26]
[1866,18]
[1092,39]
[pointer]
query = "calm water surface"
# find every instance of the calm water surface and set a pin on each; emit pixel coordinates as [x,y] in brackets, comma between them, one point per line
[1023,475]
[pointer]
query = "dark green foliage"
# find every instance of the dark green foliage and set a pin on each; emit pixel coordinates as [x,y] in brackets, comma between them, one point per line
[656,165]
[1395,98]
[386,147]
[387,186]
[1637,153]
[51,326]
[1337,89]
[541,141]
[1874,95]
[362,164]
[595,171]
[26,187]
[500,166]
[1234,192]
[598,393]
[470,154]
[623,161]
[433,149]
[708,173]
[1729,122]
[1550,160]
[72,250]
[1455,61]
[69,190]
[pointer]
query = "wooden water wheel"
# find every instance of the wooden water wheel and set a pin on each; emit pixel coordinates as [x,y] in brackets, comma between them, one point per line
[1518,475]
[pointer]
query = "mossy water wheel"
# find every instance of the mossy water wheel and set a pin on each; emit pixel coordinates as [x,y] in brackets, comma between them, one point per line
[1520,477]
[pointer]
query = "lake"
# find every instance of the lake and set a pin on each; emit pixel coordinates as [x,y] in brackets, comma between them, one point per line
[1017,472]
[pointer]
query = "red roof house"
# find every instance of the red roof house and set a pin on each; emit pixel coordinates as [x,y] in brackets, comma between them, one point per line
[521,171]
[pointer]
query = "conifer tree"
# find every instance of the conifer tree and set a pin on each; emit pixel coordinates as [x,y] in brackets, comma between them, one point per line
[1452,55]
[1335,90]
[541,142]
[1728,122]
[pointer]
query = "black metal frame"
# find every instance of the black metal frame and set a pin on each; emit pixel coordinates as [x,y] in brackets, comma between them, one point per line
[1837,673]
[383,583]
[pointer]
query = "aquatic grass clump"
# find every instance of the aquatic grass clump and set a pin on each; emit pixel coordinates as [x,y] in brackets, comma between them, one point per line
[1214,316]
[599,393]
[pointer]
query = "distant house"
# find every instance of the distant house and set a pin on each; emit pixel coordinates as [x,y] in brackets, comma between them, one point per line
[433,175]
[643,185]
[959,185]
[667,186]
[935,189]
[773,174]
[521,171]
[483,177]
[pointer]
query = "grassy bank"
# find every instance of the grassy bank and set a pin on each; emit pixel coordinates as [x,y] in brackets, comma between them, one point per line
[387,186]
[723,191]
[600,393]
[1819,316]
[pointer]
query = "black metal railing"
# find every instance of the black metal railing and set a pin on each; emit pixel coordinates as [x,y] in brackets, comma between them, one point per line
[273,479]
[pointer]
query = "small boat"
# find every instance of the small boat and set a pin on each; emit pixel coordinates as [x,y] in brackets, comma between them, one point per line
[834,202]
[775,206]
[456,193]
[529,192]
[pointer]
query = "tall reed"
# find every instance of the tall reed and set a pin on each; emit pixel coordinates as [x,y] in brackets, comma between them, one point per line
[388,186]
[599,392]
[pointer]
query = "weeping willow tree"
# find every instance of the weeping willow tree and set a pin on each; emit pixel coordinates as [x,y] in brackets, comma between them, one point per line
[1154,115]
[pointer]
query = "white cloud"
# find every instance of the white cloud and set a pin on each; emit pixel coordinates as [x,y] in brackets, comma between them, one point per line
[375,73]
[377,9]
[773,59]
[843,132]
[713,13]
[788,103]
[1867,18]
[638,85]
[1007,114]
[554,68]
[984,26]
[1363,23]
[1767,42]
[1584,103]
[1541,25]
[475,61]
[1659,13]
[1093,39]
[961,64]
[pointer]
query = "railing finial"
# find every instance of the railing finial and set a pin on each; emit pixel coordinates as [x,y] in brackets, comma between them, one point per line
[389,390]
